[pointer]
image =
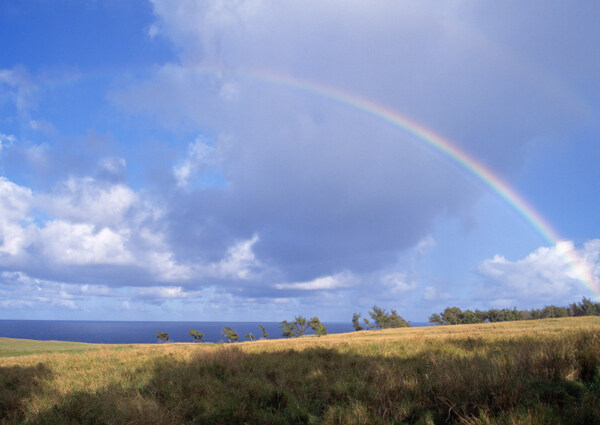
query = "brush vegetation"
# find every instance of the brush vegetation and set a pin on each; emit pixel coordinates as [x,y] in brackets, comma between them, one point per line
[534,372]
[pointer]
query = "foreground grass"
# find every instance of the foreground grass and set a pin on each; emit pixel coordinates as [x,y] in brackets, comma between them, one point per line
[537,372]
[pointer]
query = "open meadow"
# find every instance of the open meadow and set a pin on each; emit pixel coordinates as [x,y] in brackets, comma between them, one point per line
[526,372]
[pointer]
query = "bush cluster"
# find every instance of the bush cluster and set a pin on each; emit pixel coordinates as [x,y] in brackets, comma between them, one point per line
[456,316]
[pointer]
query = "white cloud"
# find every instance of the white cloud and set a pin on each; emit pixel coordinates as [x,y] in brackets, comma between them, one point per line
[82,244]
[85,200]
[239,263]
[162,292]
[200,154]
[548,274]
[398,282]
[337,281]
[6,140]
[15,205]
[432,293]
[425,245]
[17,85]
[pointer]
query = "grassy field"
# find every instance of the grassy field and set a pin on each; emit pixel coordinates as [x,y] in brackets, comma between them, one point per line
[10,347]
[534,372]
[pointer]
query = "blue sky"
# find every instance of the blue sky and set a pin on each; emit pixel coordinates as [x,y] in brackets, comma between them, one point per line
[153,168]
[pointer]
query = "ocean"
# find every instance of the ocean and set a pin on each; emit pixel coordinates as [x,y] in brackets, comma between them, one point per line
[129,332]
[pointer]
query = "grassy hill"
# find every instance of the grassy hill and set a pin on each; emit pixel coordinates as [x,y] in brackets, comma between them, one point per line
[533,372]
[10,347]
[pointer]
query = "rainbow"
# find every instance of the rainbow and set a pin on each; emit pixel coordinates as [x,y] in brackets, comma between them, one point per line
[581,269]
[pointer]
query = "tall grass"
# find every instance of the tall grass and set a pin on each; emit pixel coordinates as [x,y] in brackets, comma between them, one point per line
[480,374]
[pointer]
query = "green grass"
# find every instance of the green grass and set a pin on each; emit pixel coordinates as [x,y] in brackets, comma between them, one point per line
[10,347]
[539,372]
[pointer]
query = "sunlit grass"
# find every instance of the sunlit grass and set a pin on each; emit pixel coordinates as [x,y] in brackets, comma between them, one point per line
[544,371]
[10,347]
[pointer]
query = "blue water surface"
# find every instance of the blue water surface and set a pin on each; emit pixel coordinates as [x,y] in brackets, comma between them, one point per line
[113,332]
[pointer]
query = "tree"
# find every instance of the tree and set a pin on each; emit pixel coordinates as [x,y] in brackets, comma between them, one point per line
[452,315]
[265,335]
[230,334]
[369,324]
[385,320]
[436,319]
[317,326]
[300,325]
[163,336]
[356,322]
[294,329]
[288,329]
[250,336]
[469,317]
[396,321]
[379,317]
[585,307]
[198,336]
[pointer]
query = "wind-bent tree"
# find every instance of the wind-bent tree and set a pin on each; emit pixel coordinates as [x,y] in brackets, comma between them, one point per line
[301,325]
[436,319]
[163,336]
[265,335]
[288,329]
[369,324]
[198,336]
[396,321]
[384,320]
[230,334]
[294,329]
[356,322]
[250,336]
[317,326]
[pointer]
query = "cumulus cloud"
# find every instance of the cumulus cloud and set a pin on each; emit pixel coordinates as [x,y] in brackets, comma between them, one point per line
[15,205]
[162,292]
[82,222]
[399,282]
[239,263]
[328,188]
[336,281]
[431,293]
[303,185]
[548,274]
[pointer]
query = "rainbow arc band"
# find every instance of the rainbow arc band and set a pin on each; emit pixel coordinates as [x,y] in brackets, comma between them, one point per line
[453,153]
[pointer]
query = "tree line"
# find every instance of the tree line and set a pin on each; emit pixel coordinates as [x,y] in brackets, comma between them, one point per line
[456,316]
[382,319]
[291,329]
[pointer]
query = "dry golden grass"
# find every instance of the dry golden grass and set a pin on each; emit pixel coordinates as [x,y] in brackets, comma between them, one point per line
[544,371]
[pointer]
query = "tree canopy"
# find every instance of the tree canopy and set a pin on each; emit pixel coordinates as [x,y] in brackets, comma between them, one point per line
[230,334]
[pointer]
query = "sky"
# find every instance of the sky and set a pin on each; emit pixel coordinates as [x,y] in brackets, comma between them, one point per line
[253,160]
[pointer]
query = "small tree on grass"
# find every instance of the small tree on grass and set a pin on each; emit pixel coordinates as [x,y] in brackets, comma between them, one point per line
[163,336]
[198,336]
[368,324]
[288,329]
[250,336]
[230,334]
[317,326]
[396,321]
[301,325]
[265,335]
[356,322]
[385,320]
[296,328]
[436,319]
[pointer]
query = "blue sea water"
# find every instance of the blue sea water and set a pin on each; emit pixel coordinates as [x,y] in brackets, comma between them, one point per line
[107,332]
